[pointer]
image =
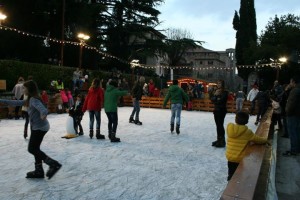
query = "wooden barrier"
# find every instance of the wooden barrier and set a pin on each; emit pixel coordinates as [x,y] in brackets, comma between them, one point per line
[156,102]
[244,181]
[53,103]
[198,104]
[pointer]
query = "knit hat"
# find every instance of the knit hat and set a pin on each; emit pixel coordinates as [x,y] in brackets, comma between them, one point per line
[242,118]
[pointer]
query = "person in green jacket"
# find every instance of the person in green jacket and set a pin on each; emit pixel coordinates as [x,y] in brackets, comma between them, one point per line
[111,97]
[177,96]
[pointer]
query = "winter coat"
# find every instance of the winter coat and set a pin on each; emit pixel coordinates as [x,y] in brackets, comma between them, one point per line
[292,107]
[220,101]
[176,94]
[252,94]
[151,87]
[263,99]
[111,97]
[18,90]
[94,100]
[238,137]
[64,96]
[137,91]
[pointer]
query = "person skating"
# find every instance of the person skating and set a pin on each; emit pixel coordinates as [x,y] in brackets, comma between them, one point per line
[93,103]
[111,97]
[39,127]
[137,92]
[177,96]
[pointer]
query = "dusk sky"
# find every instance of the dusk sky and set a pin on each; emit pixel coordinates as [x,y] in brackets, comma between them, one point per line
[211,20]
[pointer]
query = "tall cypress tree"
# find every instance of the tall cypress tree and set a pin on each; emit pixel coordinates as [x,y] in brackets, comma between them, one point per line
[246,36]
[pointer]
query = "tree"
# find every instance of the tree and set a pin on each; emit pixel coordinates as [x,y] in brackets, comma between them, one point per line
[281,37]
[246,37]
[123,20]
[178,41]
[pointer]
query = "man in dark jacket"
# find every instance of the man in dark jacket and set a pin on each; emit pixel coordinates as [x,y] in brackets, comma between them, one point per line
[292,110]
[177,96]
[137,92]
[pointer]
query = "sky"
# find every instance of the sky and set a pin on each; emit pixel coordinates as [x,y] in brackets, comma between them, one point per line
[211,20]
[148,163]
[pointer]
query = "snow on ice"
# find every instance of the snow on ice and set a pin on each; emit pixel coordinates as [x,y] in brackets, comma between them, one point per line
[148,163]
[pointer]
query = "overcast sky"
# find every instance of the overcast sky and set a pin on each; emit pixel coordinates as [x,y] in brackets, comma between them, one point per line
[211,20]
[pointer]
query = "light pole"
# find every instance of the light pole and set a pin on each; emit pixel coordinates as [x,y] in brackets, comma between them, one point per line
[2,17]
[82,38]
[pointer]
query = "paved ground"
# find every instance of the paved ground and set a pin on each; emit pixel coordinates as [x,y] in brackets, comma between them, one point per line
[287,172]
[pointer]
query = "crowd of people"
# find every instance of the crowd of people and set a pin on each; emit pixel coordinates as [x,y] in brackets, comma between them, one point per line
[283,99]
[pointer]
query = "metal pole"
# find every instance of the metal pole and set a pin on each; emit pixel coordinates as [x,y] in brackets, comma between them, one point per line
[62,33]
[80,55]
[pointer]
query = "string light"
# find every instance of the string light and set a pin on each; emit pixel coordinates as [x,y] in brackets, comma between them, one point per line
[5,28]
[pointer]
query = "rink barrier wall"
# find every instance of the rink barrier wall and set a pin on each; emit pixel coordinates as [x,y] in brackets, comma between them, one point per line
[197,104]
[148,102]
[254,177]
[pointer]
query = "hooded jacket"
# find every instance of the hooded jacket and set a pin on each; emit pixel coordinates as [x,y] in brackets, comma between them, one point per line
[238,137]
[111,98]
[94,100]
[176,94]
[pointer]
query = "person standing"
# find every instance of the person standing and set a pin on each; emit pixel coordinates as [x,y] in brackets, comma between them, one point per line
[39,127]
[251,95]
[111,97]
[263,102]
[151,87]
[93,103]
[292,110]
[219,99]
[18,94]
[240,97]
[177,96]
[137,92]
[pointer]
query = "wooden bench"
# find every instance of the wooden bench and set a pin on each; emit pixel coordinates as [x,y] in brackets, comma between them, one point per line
[244,181]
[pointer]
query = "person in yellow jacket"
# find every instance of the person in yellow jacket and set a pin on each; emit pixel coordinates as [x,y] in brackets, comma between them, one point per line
[238,137]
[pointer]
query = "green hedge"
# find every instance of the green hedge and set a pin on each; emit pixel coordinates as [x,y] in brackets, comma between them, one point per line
[11,70]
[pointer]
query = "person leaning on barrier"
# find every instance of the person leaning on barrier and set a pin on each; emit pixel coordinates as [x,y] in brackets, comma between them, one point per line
[238,137]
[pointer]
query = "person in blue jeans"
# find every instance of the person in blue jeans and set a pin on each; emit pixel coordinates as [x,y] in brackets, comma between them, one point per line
[177,96]
[137,92]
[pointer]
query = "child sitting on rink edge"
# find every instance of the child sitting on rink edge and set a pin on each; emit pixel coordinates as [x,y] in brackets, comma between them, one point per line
[238,137]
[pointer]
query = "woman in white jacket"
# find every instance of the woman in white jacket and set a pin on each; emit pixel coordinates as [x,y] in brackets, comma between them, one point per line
[251,95]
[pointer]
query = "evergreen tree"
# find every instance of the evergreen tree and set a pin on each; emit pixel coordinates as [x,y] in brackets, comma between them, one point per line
[246,37]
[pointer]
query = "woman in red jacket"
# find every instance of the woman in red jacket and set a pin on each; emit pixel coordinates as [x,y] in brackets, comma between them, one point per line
[93,103]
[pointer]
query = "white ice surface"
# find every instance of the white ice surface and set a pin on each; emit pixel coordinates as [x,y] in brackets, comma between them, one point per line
[148,163]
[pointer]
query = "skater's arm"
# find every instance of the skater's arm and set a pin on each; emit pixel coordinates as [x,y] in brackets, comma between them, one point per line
[13,102]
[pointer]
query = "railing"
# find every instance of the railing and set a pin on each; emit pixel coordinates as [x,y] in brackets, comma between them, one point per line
[198,104]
